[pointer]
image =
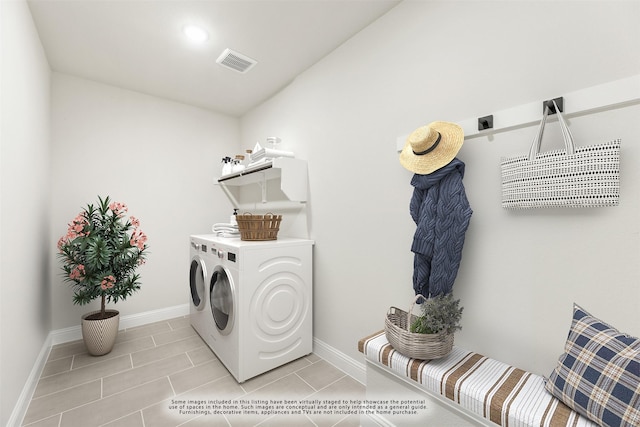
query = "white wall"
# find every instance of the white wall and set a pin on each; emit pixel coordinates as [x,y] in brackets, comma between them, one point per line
[427,61]
[157,156]
[24,188]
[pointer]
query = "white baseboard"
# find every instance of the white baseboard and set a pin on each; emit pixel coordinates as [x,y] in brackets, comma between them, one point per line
[74,333]
[20,409]
[159,315]
[340,360]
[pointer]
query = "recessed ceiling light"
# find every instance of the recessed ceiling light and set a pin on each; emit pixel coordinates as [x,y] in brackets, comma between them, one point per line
[195,34]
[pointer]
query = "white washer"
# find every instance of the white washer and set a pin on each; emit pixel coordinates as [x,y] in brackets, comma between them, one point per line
[259,308]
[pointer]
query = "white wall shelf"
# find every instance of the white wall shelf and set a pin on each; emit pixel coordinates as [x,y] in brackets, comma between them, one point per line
[290,172]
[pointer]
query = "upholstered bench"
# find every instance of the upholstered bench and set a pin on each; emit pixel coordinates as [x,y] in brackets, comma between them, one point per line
[487,392]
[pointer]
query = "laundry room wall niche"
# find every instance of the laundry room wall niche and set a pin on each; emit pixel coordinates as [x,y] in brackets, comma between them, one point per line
[170,153]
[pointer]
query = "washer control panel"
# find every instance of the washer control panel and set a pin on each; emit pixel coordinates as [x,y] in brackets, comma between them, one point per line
[229,256]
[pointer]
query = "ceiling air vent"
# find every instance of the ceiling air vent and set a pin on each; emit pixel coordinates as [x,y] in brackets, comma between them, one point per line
[236,61]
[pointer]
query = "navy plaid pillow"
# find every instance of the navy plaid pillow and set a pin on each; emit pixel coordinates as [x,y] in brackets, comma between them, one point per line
[599,373]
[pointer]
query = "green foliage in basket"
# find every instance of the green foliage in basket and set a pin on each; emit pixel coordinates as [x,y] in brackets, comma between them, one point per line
[439,314]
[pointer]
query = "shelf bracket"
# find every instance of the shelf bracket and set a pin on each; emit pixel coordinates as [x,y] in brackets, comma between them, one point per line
[263,187]
[230,196]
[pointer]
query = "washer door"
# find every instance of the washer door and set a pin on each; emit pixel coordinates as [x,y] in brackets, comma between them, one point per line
[197,283]
[222,300]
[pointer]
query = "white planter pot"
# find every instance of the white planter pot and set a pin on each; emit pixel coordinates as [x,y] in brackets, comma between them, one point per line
[100,335]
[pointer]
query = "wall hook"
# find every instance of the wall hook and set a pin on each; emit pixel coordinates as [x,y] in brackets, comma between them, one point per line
[549,104]
[485,122]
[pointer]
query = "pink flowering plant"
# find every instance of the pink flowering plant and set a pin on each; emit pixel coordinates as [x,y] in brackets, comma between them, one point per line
[101,252]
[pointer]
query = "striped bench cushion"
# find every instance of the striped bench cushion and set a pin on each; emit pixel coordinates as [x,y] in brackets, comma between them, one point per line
[493,390]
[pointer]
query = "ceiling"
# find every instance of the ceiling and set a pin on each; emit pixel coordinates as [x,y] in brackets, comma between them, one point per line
[140,45]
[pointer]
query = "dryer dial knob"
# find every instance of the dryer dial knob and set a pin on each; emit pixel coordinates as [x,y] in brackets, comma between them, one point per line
[220,254]
[195,245]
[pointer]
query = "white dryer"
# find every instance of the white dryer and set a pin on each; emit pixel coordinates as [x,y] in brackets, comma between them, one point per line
[200,265]
[260,305]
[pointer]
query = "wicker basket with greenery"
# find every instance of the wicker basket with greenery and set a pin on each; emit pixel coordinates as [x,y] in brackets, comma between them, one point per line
[428,336]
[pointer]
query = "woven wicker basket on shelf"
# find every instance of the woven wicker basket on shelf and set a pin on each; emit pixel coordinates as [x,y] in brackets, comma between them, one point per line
[411,344]
[258,227]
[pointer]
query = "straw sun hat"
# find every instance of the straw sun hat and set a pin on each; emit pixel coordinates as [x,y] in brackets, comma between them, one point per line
[431,147]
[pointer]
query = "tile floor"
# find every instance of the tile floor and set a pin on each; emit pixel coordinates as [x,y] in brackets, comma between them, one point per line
[153,365]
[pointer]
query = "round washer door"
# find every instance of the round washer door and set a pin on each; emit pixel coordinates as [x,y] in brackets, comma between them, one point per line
[222,297]
[197,283]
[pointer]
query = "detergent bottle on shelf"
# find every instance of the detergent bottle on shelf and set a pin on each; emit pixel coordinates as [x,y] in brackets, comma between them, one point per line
[238,163]
[226,165]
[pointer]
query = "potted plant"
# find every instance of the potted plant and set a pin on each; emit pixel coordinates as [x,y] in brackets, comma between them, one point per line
[440,314]
[100,254]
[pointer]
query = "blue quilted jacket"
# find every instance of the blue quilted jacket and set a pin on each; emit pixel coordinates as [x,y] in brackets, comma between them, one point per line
[441,211]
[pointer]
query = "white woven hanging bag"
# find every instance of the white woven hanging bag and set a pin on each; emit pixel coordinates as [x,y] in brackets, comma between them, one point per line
[586,176]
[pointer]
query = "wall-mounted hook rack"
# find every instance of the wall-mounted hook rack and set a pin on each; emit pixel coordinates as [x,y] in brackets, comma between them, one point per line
[485,122]
[552,109]
[607,96]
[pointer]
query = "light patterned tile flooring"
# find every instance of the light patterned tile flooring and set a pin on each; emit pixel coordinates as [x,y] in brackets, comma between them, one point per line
[155,365]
